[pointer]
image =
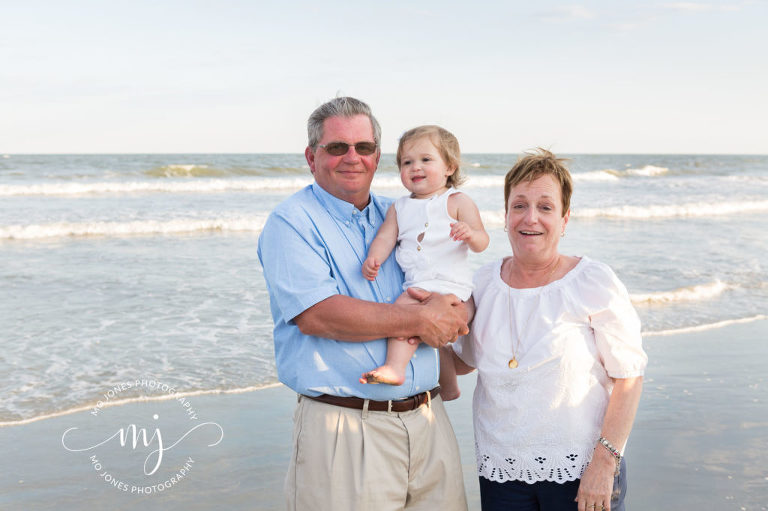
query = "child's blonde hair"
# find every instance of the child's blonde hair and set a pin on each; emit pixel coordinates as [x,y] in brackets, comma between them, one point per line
[446,144]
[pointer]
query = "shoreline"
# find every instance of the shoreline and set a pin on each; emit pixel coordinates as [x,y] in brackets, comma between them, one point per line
[137,399]
[254,388]
[697,443]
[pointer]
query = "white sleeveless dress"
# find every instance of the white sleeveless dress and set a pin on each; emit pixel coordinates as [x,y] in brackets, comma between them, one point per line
[429,257]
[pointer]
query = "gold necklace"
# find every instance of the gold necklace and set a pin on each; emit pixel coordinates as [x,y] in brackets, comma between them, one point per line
[512,364]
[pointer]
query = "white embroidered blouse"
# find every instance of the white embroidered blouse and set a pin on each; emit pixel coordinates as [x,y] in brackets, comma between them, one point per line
[541,421]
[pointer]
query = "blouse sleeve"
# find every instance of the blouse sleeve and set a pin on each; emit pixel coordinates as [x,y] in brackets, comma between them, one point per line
[616,325]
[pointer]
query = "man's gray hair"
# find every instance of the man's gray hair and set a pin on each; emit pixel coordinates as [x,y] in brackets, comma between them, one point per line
[339,107]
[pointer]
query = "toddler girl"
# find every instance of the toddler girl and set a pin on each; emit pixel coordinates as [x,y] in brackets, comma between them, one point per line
[433,228]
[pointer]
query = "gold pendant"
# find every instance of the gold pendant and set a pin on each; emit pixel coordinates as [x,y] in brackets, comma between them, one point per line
[512,363]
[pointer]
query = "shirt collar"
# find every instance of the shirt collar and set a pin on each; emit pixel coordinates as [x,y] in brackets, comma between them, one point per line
[343,210]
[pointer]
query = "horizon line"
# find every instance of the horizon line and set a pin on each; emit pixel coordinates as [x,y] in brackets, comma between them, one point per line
[620,153]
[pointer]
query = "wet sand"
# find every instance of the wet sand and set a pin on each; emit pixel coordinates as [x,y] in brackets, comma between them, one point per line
[699,441]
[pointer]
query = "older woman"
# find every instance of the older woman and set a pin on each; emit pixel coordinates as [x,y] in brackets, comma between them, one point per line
[559,356]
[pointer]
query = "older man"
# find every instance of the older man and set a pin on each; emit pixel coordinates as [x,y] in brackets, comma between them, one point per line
[355,447]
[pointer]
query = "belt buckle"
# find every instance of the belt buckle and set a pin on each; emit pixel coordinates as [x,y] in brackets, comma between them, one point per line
[416,400]
[404,400]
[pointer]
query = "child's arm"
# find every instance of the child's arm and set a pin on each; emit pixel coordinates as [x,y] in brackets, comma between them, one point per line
[382,245]
[469,227]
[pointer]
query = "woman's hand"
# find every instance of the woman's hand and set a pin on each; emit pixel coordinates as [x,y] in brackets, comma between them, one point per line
[597,482]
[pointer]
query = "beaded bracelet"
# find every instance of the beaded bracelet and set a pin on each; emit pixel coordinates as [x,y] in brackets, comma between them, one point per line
[614,452]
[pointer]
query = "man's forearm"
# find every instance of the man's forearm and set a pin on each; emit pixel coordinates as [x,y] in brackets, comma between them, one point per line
[348,319]
[437,320]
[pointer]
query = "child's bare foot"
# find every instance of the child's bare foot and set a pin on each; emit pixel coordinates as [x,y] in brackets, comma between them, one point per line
[450,392]
[384,374]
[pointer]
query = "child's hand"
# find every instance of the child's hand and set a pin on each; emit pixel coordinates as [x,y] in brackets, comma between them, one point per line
[460,231]
[371,268]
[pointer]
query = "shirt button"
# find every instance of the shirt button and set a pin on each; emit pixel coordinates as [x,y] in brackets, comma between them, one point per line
[418,248]
[426,224]
[347,222]
[389,298]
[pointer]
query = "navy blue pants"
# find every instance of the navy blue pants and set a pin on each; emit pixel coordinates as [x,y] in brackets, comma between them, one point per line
[544,495]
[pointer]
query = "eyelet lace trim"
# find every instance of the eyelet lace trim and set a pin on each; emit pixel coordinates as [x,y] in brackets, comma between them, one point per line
[558,468]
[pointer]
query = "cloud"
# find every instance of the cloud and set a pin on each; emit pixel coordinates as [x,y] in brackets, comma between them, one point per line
[567,13]
[702,7]
[688,6]
[624,27]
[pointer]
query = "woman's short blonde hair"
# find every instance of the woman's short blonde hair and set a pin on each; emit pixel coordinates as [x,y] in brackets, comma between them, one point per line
[446,144]
[534,165]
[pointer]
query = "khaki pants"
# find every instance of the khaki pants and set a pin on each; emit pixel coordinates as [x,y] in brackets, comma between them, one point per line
[356,460]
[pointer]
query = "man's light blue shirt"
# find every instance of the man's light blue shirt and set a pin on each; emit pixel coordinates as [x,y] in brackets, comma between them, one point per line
[312,247]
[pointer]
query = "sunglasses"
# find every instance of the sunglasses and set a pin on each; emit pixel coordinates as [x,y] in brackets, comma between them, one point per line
[341,148]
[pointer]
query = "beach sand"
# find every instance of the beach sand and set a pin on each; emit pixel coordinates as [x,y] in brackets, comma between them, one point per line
[699,441]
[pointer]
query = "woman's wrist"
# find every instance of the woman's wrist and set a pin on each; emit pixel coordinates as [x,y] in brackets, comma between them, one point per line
[607,447]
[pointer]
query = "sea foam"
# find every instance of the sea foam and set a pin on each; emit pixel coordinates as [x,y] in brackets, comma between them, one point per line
[178,170]
[693,209]
[495,218]
[683,294]
[179,182]
[707,326]
[646,171]
[134,228]
[159,186]
[138,399]
[491,219]
[596,175]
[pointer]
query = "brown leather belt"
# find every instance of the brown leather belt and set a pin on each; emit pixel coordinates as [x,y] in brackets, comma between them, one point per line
[398,405]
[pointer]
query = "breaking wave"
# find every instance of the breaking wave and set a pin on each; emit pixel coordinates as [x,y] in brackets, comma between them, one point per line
[694,209]
[699,209]
[159,186]
[684,294]
[134,228]
[203,171]
[707,326]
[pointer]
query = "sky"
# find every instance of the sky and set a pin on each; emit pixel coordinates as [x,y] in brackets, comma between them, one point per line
[237,76]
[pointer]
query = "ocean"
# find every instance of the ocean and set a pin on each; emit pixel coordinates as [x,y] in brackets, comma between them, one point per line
[118,268]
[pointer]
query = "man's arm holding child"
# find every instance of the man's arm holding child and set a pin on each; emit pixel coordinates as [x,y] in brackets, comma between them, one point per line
[437,320]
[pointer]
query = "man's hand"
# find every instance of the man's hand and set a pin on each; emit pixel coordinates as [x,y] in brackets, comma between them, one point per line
[444,317]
